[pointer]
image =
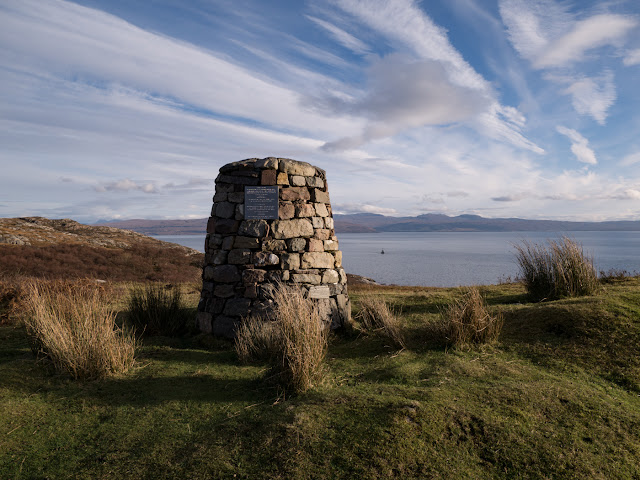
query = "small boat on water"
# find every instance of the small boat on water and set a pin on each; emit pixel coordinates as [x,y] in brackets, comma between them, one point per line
[382,252]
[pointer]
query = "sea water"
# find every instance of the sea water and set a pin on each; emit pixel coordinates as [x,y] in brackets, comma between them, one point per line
[447,259]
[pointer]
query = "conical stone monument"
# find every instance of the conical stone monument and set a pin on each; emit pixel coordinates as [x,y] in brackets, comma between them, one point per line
[271,223]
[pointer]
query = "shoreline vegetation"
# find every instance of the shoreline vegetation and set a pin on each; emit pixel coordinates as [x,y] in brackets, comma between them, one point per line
[482,382]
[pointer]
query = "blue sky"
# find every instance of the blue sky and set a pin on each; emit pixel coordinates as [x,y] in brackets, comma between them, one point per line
[127,109]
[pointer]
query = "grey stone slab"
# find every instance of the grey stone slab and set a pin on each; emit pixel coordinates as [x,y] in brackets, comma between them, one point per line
[319,291]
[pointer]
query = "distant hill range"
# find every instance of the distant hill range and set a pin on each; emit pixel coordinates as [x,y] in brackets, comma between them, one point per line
[374,223]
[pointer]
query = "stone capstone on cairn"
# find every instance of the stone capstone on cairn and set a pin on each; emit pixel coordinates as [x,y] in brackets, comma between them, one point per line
[246,258]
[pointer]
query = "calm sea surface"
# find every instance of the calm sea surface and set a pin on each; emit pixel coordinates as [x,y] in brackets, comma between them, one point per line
[446,259]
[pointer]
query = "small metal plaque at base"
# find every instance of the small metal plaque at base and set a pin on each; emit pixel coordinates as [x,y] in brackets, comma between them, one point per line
[261,203]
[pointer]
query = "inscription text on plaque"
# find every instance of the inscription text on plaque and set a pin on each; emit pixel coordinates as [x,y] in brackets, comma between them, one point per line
[261,203]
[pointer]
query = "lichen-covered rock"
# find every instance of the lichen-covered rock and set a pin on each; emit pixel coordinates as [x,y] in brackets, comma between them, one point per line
[253,228]
[269,162]
[286,211]
[298,181]
[254,275]
[293,167]
[297,227]
[290,261]
[330,245]
[295,193]
[321,210]
[304,210]
[306,278]
[319,196]
[296,244]
[265,258]
[315,245]
[274,246]
[317,260]
[316,182]
[330,276]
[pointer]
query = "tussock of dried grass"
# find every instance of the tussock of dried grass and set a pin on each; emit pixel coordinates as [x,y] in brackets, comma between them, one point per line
[156,309]
[295,342]
[72,325]
[11,294]
[375,315]
[257,340]
[560,269]
[468,322]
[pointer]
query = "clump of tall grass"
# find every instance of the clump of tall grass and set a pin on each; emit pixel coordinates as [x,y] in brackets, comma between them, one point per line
[257,340]
[294,341]
[11,294]
[375,315]
[73,326]
[467,321]
[559,269]
[155,309]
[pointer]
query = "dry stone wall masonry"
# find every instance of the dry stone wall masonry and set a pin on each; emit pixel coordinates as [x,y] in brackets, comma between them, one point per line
[293,243]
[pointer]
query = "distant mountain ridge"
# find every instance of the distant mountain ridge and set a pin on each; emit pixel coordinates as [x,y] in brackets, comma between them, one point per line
[374,223]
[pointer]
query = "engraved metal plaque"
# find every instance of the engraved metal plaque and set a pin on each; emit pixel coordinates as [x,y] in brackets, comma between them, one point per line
[261,203]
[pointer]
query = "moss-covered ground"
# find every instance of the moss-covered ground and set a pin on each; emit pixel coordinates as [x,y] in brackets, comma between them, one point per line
[557,397]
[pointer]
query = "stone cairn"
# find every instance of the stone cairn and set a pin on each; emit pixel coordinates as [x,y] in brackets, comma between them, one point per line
[246,258]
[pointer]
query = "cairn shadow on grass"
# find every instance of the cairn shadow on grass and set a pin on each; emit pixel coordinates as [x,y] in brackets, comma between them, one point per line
[281,442]
[397,375]
[185,355]
[139,391]
[549,323]
[197,387]
[561,337]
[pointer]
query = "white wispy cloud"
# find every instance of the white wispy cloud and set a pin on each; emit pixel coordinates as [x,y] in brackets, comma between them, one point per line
[579,145]
[632,57]
[437,86]
[77,42]
[545,33]
[593,96]
[631,159]
[405,23]
[530,24]
[344,38]
[126,185]
[363,208]
[404,93]
[627,194]
[588,34]
[551,38]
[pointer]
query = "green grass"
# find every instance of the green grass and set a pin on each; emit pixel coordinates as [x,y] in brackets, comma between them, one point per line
[558,396]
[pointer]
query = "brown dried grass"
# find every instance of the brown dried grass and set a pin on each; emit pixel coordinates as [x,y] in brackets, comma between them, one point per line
[375,315]
[72,325]
[467,322]
[559,269]
[295,342]
[257,340]
[11,294]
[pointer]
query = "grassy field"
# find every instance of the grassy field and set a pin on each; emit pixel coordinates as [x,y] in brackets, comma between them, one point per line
[558,396]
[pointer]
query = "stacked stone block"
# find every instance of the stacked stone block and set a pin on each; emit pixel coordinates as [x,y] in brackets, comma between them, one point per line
[245,259]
